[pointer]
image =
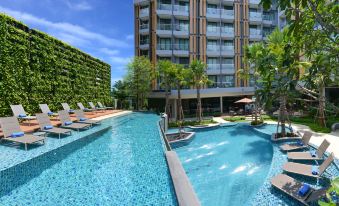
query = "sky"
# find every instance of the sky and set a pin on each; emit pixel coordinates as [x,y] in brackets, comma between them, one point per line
[102,28]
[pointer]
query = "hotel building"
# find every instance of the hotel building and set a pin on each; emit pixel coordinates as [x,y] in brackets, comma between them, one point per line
[214,31]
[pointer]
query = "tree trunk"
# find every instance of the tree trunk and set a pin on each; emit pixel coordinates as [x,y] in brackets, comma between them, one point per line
[167,100]
[179,118]
[282,116]
[321,109]
[198,104]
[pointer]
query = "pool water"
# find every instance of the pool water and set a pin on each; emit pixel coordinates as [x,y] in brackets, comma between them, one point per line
[124,166]
[227,166]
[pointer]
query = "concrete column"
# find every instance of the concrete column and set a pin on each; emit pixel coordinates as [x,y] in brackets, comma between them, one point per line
[221,106]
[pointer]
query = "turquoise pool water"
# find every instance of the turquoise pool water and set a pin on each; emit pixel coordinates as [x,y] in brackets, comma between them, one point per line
[227,166]
[124,166]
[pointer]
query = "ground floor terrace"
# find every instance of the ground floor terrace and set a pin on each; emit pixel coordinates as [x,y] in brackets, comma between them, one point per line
[215,101]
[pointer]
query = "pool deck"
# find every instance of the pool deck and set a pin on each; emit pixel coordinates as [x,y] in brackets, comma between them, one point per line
[34,126]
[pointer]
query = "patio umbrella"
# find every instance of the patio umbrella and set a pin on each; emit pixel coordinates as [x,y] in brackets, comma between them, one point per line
[245,100]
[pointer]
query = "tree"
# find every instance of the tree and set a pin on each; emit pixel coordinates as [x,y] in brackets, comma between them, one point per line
[198,79]
[167,76]
[140,74]
[277,68]
[119,92]
[181,79]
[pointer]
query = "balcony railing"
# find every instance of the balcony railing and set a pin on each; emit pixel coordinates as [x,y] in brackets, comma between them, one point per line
[164,46]
[267,17]
[225,12]
[182,47]
[164,26]
[144,12]
[227,30]
[144,42]
[255,32]
[144,26]
[181,27]
[227,48]
[221,84]
[213,66]
[213,47]
[180,8]
[254,1]
[213,29]
[222,12]
[165,7]
[255,16]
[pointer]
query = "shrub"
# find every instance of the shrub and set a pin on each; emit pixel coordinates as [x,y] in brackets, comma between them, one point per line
[234,119]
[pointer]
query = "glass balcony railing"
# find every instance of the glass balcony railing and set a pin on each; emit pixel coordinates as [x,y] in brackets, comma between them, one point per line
[164,46]
[180,8]
[225,12]
[165,7]
[227,30]
[213,29]
[222,12]
[181,27]
[266,33]
[255,32]
[255,15]
[182,47]
[144,26]
[213,47]
[144,12]
[164,27]
[227,48]
[144,42]
[213,67]
[267,17]
[222,84]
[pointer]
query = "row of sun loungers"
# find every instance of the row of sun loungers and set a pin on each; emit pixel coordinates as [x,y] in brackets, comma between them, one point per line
[294,188]
[12,131]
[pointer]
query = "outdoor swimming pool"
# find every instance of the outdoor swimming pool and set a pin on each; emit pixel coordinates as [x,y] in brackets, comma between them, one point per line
[228,165]
[123,166]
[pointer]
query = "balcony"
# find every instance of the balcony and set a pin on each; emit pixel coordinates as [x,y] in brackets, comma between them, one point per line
[255,34]
[144,45]
[164,50]
[227,50]
[144,28]
[213,32]
[213,69]
[144,13]
[164,30]
[181,50]
[141,2]
[222,84]
[267,19]
[227,32]
[227,14]
[181,30]
[213,50]
[164,10]
[181,11]
[227,69]
[254,3]
[255,17]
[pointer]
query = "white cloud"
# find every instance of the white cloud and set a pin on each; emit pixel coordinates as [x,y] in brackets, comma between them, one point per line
[109,51]
[55,28]
[130,37]
[80,6]
[120,60]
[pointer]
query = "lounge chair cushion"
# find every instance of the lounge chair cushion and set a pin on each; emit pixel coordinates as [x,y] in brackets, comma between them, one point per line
[83,119]
[17,134]
[50,113]
[315,170]
[47,127]
[22,115]
[68,123]
[304,190]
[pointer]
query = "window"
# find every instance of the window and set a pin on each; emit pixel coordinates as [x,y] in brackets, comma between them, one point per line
[212,61]
[253,10]
[211,6]
[164,43]
[227,61]
[182,44]
[227,43]
[228,8]
[212,27]
[144,39]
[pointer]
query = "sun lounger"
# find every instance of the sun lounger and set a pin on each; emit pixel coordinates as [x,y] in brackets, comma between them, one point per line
[67,108]
[310,155]
[81,106]
[19,112]
[45,109]
[46,126]
[67,123]
[96,108]
[103,107]
[80,115]
[12,132]
[308,170]
[297,190]
[302,144]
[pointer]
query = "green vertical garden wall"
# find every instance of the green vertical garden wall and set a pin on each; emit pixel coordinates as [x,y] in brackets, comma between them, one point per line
[36,68]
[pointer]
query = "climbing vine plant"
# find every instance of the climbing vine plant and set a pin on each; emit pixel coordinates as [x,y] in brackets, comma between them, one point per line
[36,68]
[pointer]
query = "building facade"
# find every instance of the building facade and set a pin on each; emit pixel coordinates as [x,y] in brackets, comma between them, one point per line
[214,31]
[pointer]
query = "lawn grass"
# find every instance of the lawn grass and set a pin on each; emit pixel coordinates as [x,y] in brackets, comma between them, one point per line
[235,119]
[191,123]
[308,121]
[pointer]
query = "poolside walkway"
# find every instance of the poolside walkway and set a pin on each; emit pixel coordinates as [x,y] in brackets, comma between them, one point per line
[33,126]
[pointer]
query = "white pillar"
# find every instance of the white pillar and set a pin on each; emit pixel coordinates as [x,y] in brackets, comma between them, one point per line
[221,106]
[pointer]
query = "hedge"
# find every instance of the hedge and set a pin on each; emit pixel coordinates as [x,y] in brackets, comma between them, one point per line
[36,68]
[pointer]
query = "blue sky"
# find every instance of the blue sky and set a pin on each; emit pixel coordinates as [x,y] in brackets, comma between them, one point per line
[102,28]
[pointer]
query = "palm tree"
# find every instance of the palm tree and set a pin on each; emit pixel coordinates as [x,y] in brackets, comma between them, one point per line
[167,76]
[199,80]
[181,79]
